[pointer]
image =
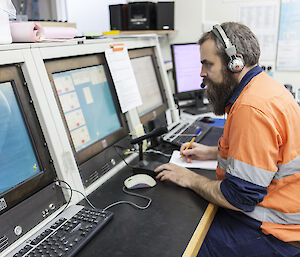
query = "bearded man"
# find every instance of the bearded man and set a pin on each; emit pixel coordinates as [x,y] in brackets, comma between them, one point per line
[258,179]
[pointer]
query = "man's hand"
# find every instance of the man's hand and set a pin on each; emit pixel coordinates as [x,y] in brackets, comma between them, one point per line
[178,175]
[209,189]
[198,152]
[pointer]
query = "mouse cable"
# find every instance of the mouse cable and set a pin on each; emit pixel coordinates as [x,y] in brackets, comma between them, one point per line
[116,147]
[131,203]
[158,152]
[77,191]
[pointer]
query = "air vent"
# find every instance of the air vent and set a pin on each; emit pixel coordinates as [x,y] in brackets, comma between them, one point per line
[94,176]
[105,169]
[3,243]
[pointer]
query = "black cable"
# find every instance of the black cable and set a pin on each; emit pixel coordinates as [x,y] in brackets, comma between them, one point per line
[84,196]
[71,194]
[117,146]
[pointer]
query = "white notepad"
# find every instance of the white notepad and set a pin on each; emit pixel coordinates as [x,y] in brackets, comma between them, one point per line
[208,165]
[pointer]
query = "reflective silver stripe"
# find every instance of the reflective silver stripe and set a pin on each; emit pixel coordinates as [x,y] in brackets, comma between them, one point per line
[249,173]
[222,162]
[288,169]
[269,215]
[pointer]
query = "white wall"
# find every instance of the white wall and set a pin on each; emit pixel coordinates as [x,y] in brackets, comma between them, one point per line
[90,15]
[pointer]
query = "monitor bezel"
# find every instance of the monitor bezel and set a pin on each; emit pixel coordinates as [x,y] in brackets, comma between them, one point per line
[72,63]
[12,73]
[149,51]
[185,93]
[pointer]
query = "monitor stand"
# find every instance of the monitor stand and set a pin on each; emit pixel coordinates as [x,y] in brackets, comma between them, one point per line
[145,166]
[199,107]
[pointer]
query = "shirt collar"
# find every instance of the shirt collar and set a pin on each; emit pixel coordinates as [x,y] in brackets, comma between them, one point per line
[245,80]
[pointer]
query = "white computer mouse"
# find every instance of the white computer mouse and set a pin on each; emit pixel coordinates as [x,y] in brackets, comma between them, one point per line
[139,181]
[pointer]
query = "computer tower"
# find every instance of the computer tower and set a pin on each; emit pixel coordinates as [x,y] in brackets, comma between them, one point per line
[118,17]
[141,16]
[165,16]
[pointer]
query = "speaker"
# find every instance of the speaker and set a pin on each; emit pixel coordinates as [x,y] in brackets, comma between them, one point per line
[236,63]
[118,17]
[141,16]
[165,16]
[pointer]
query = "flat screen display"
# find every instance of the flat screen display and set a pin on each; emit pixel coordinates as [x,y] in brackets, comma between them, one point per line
[87,104]
[18,161]
[147,82]
[187,67]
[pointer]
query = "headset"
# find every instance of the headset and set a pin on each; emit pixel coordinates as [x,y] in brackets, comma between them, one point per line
[236,63]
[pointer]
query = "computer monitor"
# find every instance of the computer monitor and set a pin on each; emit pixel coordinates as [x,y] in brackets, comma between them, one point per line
[91,112]
[145,68]
[186,70]
[27,173]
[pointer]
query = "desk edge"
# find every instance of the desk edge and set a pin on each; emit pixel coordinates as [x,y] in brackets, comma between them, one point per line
[198,237]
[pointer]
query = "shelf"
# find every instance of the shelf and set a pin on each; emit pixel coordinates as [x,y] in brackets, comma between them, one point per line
[160,32]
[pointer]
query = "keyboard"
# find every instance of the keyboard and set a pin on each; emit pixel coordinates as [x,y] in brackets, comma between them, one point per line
[66,234]
[185,131]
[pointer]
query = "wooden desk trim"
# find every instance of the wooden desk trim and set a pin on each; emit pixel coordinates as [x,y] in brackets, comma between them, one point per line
[198,237]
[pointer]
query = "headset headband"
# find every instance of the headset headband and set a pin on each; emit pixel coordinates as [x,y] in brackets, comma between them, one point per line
[236,63]
[220,34]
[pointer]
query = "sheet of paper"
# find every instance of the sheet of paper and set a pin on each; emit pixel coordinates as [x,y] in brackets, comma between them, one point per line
[124,79]
[263,19]
[288,56]
[207,165]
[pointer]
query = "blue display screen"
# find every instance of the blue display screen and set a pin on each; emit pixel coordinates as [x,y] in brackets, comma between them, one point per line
[87,104]
[17,158]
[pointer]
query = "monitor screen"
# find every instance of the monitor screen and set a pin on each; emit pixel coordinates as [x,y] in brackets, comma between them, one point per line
[87,105]
[149,83]
[24,160]
[17,155]
[187,67]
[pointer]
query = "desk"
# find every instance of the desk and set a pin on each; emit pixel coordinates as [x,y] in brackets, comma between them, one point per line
[164,229]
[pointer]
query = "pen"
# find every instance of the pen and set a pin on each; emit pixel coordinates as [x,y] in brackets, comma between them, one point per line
[193,139]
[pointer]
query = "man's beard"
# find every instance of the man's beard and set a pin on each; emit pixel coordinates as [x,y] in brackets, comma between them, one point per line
[218,94]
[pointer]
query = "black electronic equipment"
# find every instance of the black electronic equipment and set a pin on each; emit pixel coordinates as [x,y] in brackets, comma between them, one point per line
[146,70]
[93,119]
[28,194]
[185,131]
[188,83]
[141,16]
[165,15]
[145,166]
[118,17]
[66,234]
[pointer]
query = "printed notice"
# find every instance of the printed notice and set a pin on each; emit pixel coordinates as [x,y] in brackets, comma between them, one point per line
[263,20]
[124,79]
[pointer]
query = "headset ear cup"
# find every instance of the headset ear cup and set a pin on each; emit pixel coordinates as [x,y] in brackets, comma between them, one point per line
[236,64]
